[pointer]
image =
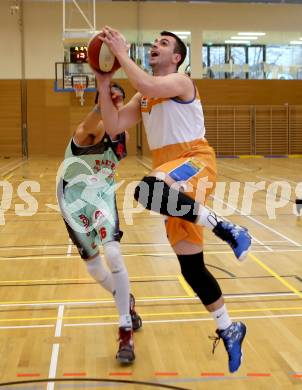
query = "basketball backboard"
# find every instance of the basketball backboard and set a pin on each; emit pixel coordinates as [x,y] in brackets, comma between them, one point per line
[72,77]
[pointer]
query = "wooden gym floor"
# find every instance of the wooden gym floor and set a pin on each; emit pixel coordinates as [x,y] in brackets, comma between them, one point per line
[57,323]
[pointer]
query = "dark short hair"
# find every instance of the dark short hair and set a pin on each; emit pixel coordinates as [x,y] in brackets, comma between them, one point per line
[114,85]
[180,47]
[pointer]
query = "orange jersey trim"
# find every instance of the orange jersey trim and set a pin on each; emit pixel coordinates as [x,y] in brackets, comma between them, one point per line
[148,103]
[172,152]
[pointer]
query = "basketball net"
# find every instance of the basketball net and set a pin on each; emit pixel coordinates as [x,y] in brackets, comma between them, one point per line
[79,89]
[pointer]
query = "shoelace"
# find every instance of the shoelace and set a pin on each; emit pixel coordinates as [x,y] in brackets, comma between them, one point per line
[229,235]
[215,340]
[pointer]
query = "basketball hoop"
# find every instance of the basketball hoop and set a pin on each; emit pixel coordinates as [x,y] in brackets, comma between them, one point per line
[79,89]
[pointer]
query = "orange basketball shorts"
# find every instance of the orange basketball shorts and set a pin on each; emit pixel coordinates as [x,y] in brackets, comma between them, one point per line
[196,173]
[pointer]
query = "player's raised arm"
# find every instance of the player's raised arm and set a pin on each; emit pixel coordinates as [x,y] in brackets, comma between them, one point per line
[164,84]
[92,124]
[116,120]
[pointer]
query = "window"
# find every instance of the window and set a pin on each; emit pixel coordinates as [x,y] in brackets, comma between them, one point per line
[284,62]
[255,61]
[217,60]
[237,62]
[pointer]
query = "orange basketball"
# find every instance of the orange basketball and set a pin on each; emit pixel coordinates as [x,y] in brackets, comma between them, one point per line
[100,57]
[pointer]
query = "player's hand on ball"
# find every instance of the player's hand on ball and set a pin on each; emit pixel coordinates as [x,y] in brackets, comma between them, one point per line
[115,40]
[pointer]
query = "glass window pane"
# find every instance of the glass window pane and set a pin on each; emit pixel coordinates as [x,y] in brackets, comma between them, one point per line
[207,73]
[185,66]
[238,58]
[255,55]
[205,56]
[217,61]
[283,62]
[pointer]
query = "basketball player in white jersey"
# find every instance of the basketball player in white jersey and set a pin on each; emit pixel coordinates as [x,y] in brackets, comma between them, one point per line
[169,105]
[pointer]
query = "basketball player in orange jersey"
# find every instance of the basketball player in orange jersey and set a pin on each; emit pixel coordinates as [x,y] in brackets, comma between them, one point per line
[170,108]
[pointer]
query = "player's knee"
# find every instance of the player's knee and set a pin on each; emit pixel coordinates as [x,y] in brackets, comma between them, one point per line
[114,257]
[96,268]
[156,195]
[199,278]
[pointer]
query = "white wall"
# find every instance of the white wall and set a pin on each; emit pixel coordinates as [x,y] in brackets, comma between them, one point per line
[43,26]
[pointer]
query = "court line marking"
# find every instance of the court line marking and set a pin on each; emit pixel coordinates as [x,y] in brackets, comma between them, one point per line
[185,320]
[200,312]
[26,326]
[185,286]
[262,243]
[17,163]
[152,277]
[39,247]
[69,248]
[53,365]
[273,178]
[140,278]
[55,348]
[153,254]
[7,177]
[76,302]
[257,221]
[275,275]
[48,247]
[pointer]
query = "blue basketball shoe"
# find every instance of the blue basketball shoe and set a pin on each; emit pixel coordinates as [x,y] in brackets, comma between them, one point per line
[236,236]
[232,338]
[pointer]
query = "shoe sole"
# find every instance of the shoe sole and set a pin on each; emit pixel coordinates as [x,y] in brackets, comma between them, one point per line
[244,254]
[125,361]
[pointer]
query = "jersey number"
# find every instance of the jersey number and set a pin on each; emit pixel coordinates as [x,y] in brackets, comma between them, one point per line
[103,232]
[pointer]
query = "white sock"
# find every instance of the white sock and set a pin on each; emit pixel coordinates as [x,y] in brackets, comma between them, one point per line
[125,321]
[100,273]
[121,296]
[120,282]
[207,218]
[221,318]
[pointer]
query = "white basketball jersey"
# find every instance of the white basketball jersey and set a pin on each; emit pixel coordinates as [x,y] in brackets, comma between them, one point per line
[172,121]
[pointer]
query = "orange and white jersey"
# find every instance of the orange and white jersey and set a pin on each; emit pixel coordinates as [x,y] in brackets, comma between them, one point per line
[172,126]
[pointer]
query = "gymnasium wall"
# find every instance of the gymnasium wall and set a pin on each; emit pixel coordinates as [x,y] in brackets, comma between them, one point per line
[43,24]
[10,118]
[53,116]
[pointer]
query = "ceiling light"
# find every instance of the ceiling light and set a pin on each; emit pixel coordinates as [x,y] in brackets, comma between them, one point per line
[182,36]
[244,37]
[296,42]
[181,32]
[252,33]
[237,41]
